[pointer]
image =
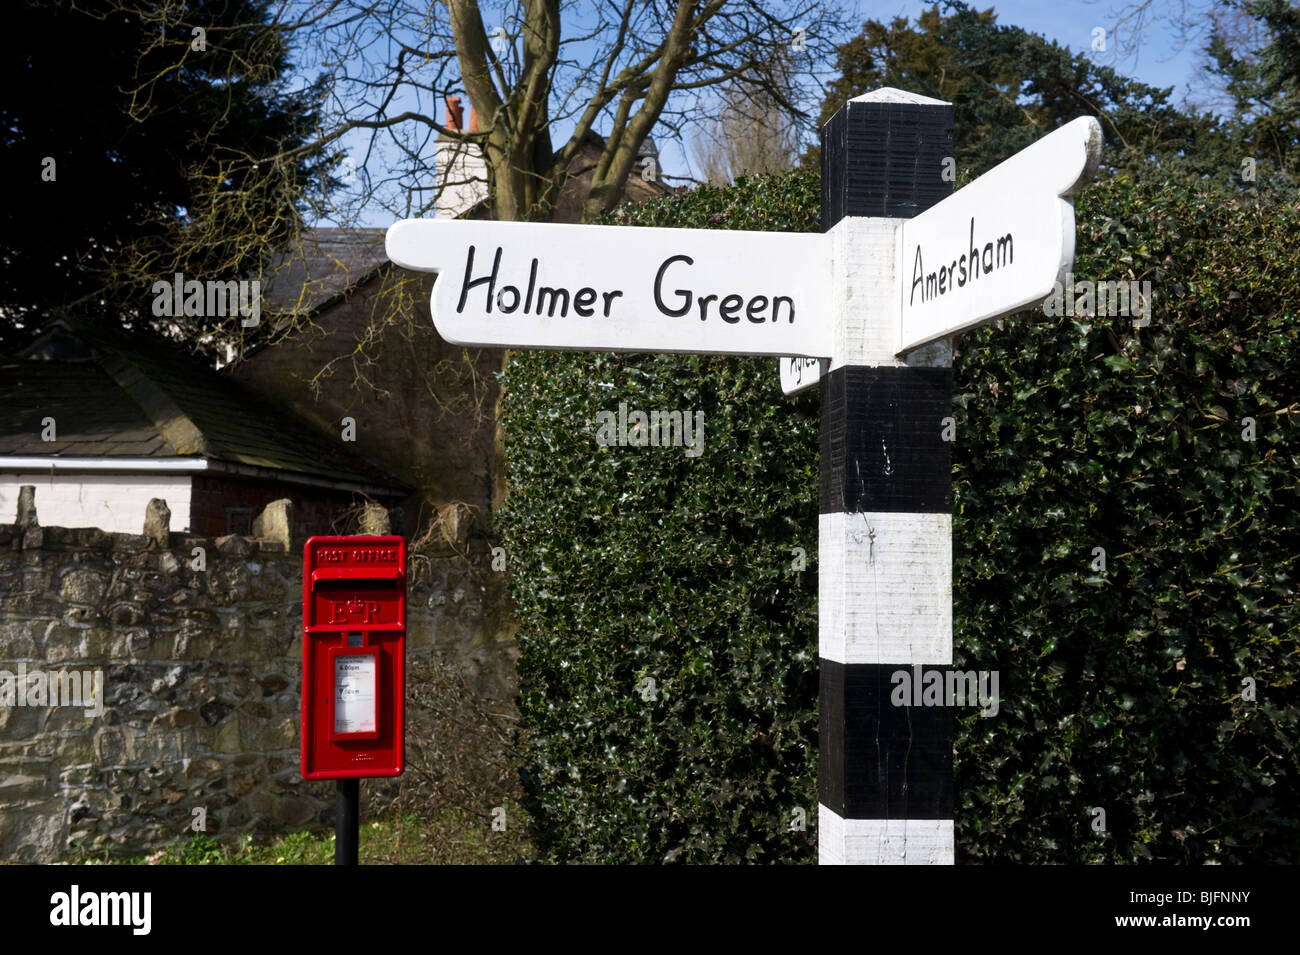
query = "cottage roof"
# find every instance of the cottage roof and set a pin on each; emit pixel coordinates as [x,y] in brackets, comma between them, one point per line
[140,397]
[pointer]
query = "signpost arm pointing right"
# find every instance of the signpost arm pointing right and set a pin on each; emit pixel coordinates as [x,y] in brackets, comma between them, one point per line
[999,244]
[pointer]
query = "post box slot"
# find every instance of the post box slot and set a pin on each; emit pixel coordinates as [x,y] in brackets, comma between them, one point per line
[374,576]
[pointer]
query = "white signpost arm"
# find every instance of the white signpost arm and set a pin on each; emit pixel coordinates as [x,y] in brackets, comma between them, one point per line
[614,288]
[1000,243]
[799,374]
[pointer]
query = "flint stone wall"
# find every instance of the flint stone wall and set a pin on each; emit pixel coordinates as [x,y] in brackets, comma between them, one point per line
[202,683]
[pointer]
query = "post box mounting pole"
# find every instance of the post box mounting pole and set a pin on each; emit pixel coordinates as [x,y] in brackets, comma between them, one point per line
[347,825]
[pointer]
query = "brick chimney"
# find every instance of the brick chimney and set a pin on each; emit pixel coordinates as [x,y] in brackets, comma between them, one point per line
[455,115]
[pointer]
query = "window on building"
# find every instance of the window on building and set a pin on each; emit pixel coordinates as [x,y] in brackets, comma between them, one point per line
[239,520]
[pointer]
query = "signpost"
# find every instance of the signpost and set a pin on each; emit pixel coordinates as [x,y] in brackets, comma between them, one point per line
[952,282]
[865,308]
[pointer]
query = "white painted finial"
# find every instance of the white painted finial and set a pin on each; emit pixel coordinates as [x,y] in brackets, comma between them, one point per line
[887,94]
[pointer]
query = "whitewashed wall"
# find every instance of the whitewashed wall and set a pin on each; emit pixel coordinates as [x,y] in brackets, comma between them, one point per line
[111,502]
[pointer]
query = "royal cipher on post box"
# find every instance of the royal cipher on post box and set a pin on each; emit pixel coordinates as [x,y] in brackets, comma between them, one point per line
[353,657]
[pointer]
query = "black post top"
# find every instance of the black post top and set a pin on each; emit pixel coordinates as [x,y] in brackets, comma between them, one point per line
[883,154]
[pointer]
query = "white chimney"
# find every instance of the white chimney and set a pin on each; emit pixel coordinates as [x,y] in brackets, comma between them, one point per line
[461,169]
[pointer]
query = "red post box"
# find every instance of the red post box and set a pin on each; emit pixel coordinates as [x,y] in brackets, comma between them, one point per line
[353,657]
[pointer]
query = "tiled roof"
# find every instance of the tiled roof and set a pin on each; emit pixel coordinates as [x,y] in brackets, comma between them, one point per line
[109,424]
[324,266]
[141,397]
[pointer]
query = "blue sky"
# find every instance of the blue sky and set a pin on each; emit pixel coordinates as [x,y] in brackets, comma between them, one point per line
[1158,60]
[1161,59]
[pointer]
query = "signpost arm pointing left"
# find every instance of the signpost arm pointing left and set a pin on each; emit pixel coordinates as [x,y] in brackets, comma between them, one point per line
[614,288]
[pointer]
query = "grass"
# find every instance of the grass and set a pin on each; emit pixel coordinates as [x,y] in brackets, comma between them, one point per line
[448,838]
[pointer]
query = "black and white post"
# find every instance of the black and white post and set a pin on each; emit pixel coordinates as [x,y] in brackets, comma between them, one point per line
[885,551]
